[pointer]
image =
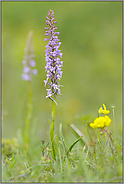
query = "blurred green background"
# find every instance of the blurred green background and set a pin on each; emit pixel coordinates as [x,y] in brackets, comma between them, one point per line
[91,36]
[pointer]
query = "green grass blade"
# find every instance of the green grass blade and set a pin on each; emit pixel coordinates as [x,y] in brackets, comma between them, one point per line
[89,133]
[50,123]
[59,153]
[78,134]
[15,160]
[62,137]
[72,145]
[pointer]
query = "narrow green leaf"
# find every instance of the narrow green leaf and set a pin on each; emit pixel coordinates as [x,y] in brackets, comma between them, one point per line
[62,137]
[57,150]
[72,145]
[7,161]
[89,133]
[50,123]
[46,144]
[78,134]
[15,160]
[59,153]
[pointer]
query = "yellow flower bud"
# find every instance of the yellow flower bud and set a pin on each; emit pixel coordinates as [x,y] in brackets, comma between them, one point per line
[104,111]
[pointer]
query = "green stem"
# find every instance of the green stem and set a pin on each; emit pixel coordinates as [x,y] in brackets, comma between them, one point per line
[98,137]
[53,129]
[89,133]
[113,110]
[53,110]
[28,114]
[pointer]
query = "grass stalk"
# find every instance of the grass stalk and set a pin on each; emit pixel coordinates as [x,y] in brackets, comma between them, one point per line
[29,112]
[113,112]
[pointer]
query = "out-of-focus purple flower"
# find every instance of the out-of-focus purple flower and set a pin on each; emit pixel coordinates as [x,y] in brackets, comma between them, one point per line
[28,61]
[32,63]
[53,57]
[34,71]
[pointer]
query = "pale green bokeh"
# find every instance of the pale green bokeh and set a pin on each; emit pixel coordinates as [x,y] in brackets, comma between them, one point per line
[91,36]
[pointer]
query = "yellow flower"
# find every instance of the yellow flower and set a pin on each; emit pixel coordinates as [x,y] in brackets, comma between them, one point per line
[93,125]
[104,111]
[101,122]
[107,121]
[100,110]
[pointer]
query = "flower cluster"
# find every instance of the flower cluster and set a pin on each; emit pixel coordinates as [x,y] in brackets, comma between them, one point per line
[53,57]
[102,121]
[28,61]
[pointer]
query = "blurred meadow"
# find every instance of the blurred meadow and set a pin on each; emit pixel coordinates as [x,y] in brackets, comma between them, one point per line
[91,36]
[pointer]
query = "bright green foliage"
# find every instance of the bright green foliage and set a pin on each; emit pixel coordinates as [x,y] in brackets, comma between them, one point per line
[77,133]
[80,162]
[72,145]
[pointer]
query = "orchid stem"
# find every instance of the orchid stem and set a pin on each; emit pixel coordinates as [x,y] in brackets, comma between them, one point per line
[53,129]
[53,110]
[28,114]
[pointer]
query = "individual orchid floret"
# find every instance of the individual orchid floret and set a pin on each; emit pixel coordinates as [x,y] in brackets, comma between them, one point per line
[53,57]
[28,61]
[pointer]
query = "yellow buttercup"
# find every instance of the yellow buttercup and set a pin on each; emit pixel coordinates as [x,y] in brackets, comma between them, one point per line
[101,122]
